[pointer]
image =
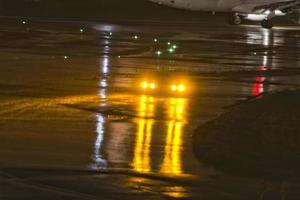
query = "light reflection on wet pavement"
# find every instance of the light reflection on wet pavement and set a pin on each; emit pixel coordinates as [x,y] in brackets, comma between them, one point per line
[73,101]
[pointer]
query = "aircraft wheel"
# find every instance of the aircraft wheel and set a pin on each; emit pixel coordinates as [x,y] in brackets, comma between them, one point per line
[268,24]
[235,19]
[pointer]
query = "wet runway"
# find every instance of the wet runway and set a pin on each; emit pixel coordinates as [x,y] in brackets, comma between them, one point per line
[94,110]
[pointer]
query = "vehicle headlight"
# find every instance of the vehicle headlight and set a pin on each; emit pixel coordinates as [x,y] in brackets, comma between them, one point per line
[144,85]
[174,88]
[152,85]
[148,85]
[178,88]
[181,88]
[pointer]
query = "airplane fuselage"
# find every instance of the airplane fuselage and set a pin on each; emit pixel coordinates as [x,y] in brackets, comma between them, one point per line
[201,5]
[255,10]
[216,5]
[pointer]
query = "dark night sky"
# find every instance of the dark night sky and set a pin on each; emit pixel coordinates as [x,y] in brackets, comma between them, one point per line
[92,9]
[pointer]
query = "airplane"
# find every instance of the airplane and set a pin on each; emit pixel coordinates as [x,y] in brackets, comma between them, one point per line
[255,10]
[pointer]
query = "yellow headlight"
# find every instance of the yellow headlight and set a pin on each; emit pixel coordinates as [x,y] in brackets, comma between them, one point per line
[178,88]
[152,86]
[144,85]
[148,85]
[181,88]
[174,88]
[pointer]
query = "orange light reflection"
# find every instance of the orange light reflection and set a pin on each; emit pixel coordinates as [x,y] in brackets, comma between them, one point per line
[141,162]
[172,162]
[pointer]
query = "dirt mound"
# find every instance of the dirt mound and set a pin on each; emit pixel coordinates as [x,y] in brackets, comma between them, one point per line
[260,138]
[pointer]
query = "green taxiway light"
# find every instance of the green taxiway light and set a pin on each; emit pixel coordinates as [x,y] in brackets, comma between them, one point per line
[174,46]
[171,50]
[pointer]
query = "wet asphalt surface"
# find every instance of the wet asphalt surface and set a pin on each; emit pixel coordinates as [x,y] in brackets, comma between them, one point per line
[76,122]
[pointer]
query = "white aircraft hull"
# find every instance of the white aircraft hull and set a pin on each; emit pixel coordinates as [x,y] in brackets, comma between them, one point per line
[216,5]
[256,10]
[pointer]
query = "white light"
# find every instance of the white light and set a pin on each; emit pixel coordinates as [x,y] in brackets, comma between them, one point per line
[158,53]
[267,12]
[260,17]
[279,13]
[100,127]
[103,83]
[181,88]
[256,17]
[174,87]
[144,85]
[102,94]
[266,38]
[100,162]
[152,86]
[265,61]
[105,65]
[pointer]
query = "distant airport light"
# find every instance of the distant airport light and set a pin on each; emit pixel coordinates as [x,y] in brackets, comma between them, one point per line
[23,22]
[81,30]
[159,53]
[66,57]
[119,56]
[168,43]
[155,40]
[174,46]
[136,37]
[171,50]
[110,33]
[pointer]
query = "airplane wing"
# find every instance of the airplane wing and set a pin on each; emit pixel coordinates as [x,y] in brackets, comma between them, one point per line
[285,7]
[266,10]
[259,7]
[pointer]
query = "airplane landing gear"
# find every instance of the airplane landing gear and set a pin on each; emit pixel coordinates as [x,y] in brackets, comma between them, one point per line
[235,19]
[267,23]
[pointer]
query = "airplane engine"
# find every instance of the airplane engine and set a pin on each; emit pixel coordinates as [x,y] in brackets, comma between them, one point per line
[295,16]
[256,17]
